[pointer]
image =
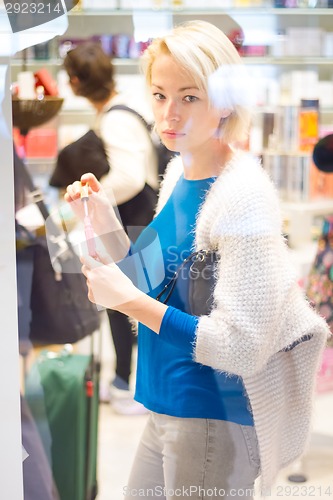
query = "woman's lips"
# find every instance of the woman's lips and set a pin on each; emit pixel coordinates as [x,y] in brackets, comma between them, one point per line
[170,134]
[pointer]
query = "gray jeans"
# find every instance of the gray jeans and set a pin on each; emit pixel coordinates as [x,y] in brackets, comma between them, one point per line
[194,458]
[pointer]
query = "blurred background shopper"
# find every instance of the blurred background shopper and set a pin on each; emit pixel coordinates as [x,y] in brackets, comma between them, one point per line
[131,181]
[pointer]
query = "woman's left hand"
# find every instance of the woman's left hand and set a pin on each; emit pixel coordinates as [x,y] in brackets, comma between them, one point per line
[107,285]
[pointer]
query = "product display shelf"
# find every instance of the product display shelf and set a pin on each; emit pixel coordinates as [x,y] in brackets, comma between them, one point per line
[183,11]
[270,109]
[88,23]
[104,22]
[128,63]
[111,22]
[57,63]
[282,17]
[30,113]
[39,63]
[289,61]
[300,217]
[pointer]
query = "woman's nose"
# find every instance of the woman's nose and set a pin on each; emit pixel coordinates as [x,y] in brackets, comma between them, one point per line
[172,111]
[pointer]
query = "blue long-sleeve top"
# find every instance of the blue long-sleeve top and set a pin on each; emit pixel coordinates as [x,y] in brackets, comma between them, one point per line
[169,381]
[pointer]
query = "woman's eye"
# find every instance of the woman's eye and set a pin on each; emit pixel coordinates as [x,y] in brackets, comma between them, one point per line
[190,98]
[158,96]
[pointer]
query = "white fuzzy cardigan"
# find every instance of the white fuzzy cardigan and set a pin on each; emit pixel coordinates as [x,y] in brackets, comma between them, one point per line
[258,310]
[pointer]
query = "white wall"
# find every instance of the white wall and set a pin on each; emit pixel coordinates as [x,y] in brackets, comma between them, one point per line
[10,422]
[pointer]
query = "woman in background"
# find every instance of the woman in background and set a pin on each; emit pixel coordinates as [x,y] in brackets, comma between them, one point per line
[131,182]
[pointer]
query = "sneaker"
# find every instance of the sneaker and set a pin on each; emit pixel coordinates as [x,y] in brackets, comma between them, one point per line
[104,392]
[122,403]
[128,407]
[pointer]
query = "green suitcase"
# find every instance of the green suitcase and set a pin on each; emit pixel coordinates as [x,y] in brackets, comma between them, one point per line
[62,391]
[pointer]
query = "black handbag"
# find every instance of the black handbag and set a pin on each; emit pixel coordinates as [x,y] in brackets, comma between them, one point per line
[60,311]
[86,154]
[194,281]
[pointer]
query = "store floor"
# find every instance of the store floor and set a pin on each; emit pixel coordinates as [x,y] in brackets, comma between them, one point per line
[119,436]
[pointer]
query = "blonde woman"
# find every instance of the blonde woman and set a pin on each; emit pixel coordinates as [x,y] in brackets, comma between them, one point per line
[229,392]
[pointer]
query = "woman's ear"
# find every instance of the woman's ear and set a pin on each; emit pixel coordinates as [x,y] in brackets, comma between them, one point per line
[74,83]
[74,80]
[224,113]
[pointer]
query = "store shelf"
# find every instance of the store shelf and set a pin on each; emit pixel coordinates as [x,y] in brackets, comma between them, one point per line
[40,162]
[251,11]
[281,152]
[270,20]
[300,218]
[288,61]
[59,62]
[79,112]
[315,207]
[262,60]
[36,62]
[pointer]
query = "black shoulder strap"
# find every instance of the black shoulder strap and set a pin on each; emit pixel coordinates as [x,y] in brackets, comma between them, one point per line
[123,107]
[60,244]
[36,194]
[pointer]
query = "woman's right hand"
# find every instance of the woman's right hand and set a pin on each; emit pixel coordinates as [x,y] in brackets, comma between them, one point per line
[101,212]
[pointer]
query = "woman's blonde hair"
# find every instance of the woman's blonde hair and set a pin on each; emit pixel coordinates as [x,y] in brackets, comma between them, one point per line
[210,57]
